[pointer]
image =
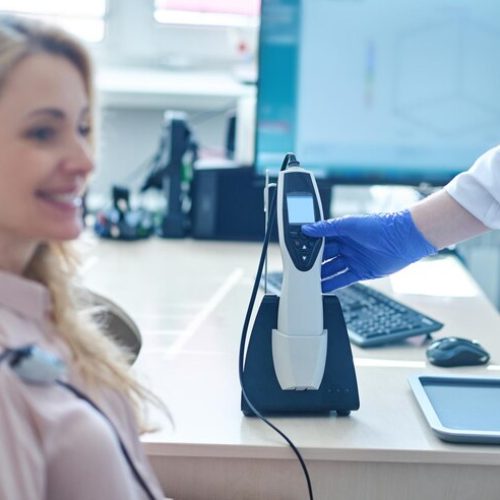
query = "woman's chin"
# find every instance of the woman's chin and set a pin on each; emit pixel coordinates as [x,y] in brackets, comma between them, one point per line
[65,233]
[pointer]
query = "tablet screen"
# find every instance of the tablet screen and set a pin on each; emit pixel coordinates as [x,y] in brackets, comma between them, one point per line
[467,404]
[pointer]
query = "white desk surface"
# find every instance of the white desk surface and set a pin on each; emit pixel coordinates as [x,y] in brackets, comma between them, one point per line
[189,299]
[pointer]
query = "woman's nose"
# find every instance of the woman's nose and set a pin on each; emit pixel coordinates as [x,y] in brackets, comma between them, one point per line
[79,158]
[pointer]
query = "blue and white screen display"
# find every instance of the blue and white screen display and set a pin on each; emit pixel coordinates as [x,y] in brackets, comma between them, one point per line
[364,90]
[300,209]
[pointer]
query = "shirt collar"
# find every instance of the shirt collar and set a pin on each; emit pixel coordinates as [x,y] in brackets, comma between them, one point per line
[26,297]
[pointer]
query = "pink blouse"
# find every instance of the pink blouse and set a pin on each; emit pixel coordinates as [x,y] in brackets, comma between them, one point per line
[54,446]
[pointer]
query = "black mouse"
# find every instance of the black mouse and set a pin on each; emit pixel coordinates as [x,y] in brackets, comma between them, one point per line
[456,351]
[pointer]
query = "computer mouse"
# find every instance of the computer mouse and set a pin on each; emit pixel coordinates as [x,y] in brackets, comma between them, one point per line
[456,351]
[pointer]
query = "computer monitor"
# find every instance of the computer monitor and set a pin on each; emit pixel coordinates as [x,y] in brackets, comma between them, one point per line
[378,91]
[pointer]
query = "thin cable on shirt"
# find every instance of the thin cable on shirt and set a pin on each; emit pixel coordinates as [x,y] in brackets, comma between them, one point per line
[5,354]
[124,450]
[289,160]
[24,352]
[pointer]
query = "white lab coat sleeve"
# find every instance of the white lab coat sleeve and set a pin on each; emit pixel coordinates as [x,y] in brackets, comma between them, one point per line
[478,189]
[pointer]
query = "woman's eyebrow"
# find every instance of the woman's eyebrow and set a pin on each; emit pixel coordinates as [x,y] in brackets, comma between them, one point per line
[53,112]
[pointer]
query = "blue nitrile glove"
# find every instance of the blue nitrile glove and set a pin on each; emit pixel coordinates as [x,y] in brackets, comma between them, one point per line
[361,247]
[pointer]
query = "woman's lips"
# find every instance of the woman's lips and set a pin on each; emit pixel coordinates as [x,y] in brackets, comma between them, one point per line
[72,199]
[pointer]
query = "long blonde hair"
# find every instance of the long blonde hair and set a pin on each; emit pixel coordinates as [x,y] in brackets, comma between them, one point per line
[97,358]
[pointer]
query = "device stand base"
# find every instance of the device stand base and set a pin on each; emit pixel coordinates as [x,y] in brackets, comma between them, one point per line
[338,390]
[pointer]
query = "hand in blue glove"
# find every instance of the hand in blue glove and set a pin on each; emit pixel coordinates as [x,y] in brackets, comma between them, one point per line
[363,247]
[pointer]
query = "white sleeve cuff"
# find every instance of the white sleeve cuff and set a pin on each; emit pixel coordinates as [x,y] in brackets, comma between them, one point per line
[478,189]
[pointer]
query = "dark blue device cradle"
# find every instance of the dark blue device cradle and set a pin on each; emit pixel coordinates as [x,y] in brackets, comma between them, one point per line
[338,390]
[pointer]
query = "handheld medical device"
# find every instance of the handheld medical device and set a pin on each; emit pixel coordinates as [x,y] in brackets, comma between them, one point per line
[299,342]
[298,359]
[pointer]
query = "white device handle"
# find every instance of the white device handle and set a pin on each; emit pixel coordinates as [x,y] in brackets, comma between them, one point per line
[299,342]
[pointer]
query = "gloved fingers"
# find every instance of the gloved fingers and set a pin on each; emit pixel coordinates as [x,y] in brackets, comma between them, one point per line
[320,229]
[333,266]
[340,280]
[347,225]
[331,250]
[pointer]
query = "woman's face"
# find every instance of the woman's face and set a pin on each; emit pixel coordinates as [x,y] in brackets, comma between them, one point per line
[45,156]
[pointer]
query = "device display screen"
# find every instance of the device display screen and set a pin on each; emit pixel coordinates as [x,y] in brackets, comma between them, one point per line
[300,209]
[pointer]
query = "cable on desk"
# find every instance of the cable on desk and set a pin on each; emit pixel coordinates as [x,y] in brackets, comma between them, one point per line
[272,211]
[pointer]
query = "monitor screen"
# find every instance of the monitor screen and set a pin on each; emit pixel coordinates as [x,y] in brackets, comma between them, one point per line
[370,91]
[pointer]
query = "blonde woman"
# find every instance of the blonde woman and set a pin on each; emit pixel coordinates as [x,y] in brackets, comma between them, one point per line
[75,437]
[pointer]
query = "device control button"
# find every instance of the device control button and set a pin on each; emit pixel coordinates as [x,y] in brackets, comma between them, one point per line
[305,262]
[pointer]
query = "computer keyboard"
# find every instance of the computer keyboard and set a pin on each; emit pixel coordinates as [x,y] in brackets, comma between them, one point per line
[372,318]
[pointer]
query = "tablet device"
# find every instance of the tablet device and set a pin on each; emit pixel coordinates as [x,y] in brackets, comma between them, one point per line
[460,409]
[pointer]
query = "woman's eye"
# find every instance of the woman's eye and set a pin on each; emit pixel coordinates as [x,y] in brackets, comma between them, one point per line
[84,130]
[42,134]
